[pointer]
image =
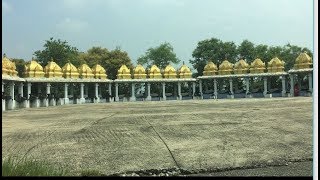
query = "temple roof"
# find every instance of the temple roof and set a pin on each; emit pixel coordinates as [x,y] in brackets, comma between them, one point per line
[211,67]
[241,64]
[52,67]
[154,69]
[275,62]
[169,69]
[124,70]
[226,65]
[84,68]
[85,71]
[139,69]
[184,69]
[8,66]
[6,63]
[303,58]
[33,66]
[257,63]
[69,67]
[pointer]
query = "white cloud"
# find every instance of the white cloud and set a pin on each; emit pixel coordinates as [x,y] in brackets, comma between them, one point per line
[6,8]
[72,26]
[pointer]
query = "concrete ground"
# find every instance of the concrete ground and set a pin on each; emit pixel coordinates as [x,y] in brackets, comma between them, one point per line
[190,134]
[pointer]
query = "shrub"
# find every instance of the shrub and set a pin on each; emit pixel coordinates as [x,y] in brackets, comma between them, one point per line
[25,167]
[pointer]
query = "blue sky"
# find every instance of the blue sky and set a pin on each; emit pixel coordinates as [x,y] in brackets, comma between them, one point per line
[136,25]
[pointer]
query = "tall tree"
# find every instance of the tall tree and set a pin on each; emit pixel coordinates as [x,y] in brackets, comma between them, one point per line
[60,51]
[161,56]
[116,58]
[246,50]
[20,63]
[215,50]
[95,55]
[261,52]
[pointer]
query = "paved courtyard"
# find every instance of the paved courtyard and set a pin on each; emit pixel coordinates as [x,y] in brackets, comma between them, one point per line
[191,134]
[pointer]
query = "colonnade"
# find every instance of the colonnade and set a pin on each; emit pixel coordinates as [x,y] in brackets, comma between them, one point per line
[11,103]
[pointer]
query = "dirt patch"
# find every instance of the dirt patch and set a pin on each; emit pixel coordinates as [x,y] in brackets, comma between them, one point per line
[201,134]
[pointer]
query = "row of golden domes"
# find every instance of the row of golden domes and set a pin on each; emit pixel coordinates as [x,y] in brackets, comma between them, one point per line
[34,69]
[257,66]
[52,69]
[139,72]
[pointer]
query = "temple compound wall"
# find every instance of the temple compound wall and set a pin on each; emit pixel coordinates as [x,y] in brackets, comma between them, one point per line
[53,85]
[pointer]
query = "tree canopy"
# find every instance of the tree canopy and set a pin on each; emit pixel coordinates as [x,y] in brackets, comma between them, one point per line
[216,50]
[110,60]
[161,56]
[60,51]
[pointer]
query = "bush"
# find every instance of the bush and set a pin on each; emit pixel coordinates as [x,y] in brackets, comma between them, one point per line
[24,167]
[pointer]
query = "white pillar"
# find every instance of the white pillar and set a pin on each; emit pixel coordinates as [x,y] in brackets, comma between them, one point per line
[265,85]
[164,91]
[28,95]
[21,89]
[200,89]
[82,99]
[231,85]
[179,91]
[66,99]
[310,82]
[48,88]
[97,92]
[283,79]
[215,89]
[133,97]
[116,93]
[148,90]
[193,89]
[11,103]
[292,85]
[110,92]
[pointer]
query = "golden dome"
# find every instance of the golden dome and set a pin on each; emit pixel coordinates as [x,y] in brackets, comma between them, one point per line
[184,72]
[170,72]
[257,66]
[52,69]
[155,72]
[33,69]
[210,69]
[99,72]
[275,65]
[139,72]
[124,72]
[85,71]
[303,61]
[70,71]
[225,68]
[241,67]
[6,65]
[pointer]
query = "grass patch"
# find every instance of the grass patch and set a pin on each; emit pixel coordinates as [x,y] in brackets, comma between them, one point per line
[25,167]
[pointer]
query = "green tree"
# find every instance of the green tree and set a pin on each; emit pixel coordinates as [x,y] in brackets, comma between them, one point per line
[110,60]
[20,63]
[115,60]
[246,50]
[160,56]
[60,51]
[215,50]
[95,55]
[261,52]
